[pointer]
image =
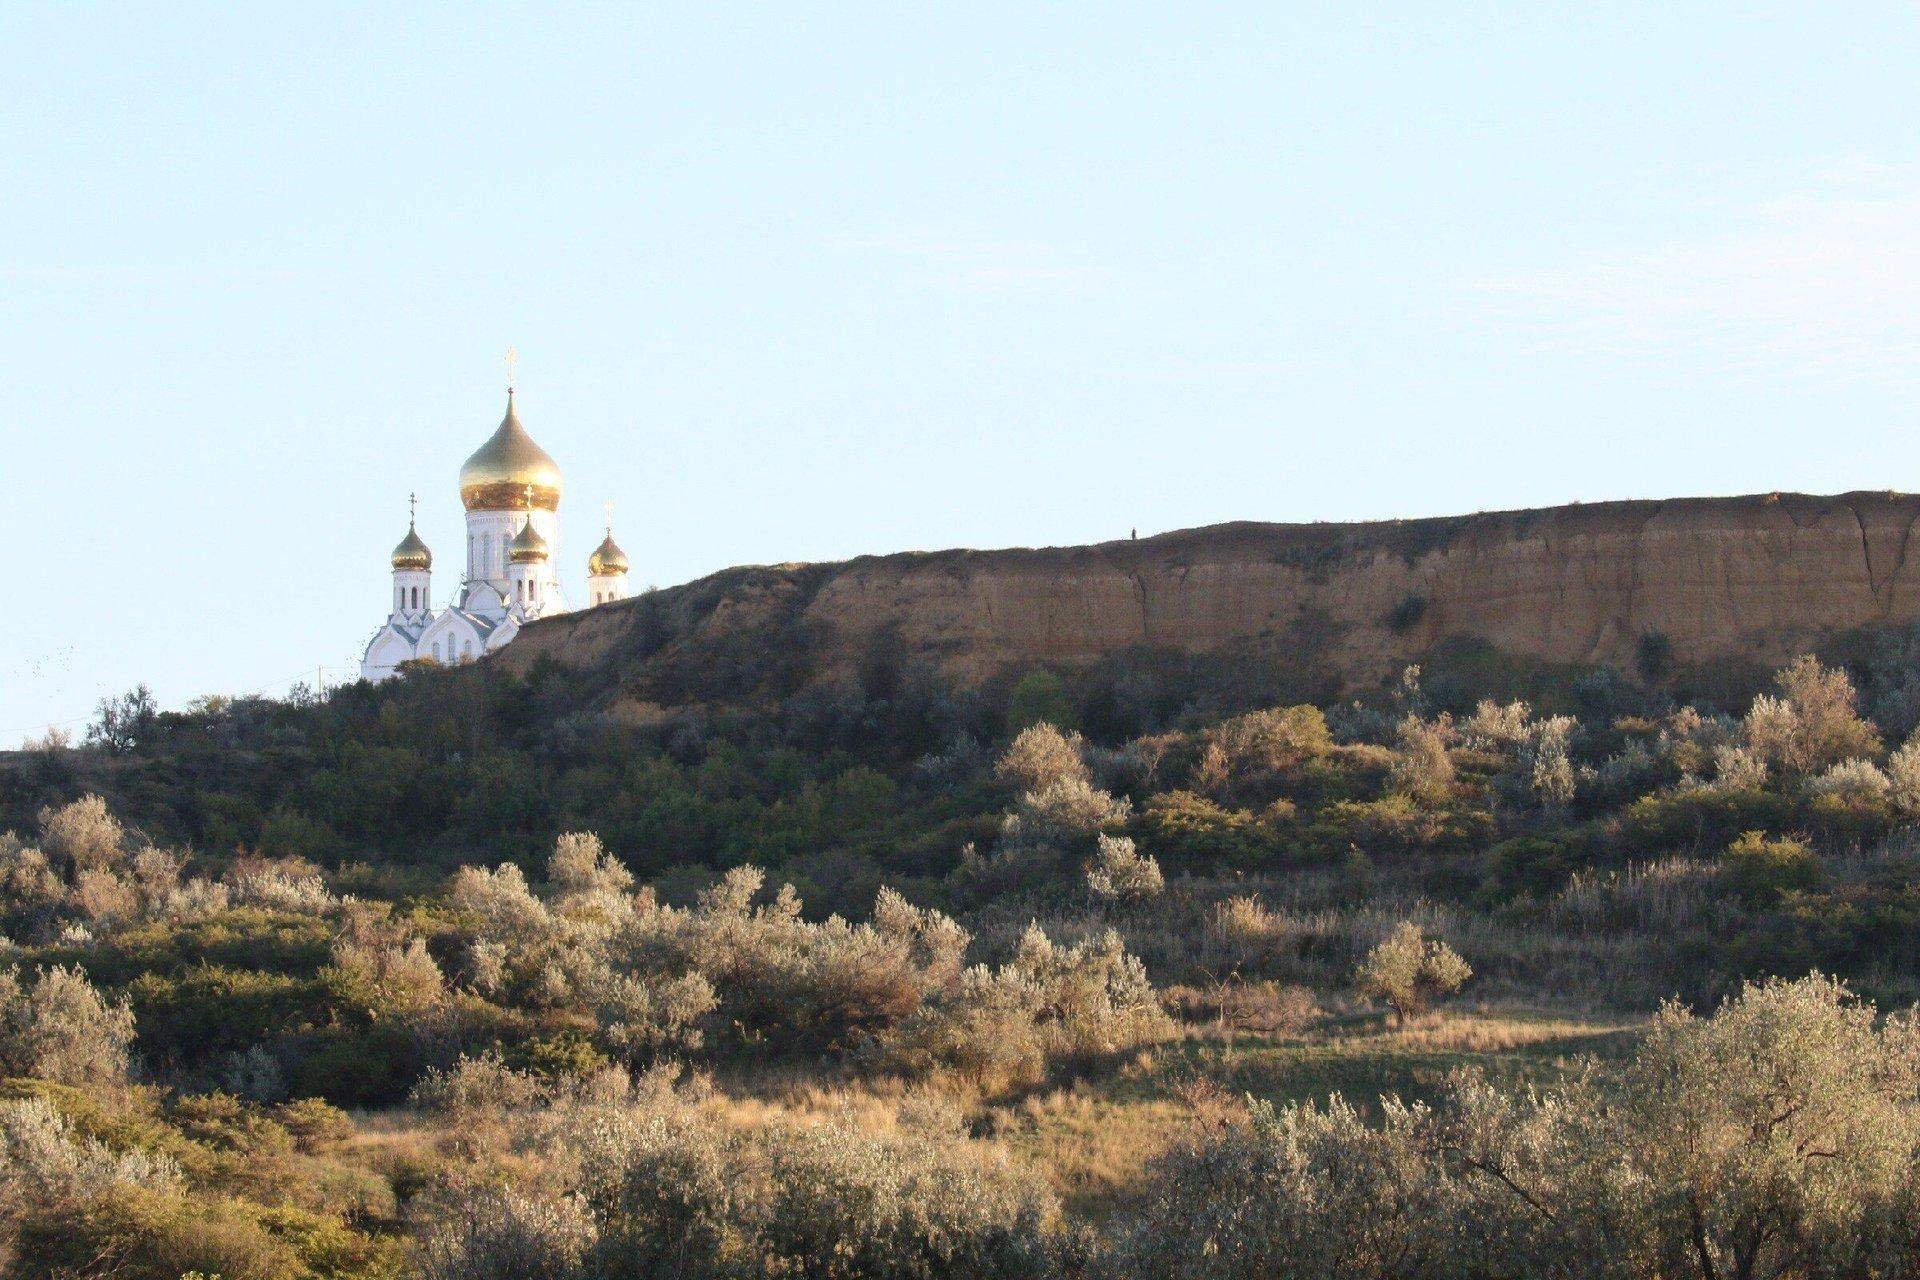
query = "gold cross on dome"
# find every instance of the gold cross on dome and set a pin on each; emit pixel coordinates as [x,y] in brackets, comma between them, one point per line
[609,519]
[513,366]
[413,508]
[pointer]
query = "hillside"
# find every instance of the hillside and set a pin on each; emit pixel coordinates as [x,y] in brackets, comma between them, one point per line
[1748,580]
[905,901]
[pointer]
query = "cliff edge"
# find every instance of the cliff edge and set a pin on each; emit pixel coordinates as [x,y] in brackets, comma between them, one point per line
[1750,579]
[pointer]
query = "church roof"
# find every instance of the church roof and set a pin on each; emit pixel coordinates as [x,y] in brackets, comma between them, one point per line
[481,624]
[527,545]
[607,558]
[510,471]
[412,552]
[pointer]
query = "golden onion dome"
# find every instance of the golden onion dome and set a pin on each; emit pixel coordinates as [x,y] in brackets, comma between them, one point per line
[412,553]
[607,558]
[510,471]
[527,546]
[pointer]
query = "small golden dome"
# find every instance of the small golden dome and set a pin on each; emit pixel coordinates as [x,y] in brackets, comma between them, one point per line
[527,546]
[501,472]
[412,553]
[607,558]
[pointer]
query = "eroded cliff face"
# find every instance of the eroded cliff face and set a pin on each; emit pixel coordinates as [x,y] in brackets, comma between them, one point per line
[1753,579]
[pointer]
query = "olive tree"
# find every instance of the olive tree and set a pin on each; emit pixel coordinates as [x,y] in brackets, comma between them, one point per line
[1409,973]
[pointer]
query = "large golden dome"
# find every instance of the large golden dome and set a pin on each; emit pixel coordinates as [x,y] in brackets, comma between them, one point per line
[501,472]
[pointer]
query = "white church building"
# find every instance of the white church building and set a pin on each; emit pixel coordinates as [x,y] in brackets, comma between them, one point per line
[511,490]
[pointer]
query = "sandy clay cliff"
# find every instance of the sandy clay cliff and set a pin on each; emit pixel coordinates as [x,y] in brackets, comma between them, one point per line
[1714,580]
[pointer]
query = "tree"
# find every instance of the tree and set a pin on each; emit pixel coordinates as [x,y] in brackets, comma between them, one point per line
[1409,973]
[1777,1137]
[126,722]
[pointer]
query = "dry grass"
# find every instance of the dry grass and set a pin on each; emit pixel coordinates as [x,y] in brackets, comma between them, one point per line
[1094,1149]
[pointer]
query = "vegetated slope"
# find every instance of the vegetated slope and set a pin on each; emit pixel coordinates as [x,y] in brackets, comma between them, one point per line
[1686,583]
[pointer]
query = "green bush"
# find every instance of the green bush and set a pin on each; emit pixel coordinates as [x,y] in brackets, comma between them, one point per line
[153,1236]
[1763,871]
[1040,695]
[1532,866]
[1191,832]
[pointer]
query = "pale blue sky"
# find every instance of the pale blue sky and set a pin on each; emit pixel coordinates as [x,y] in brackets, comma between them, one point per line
[802,283]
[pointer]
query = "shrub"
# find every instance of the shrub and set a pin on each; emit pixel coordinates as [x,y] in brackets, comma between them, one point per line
[1249,933]
[672,1194]
[775,977]
[1535,866]
[1495,726]
[1040,756]
[1653,655]
[1299,1193]
[583,873]
[1279,738]
[153,1235]
[381,979]
[678,1195]
[1773,1139]
[642,1015]
[1406,615]
[1047,1004]
[476,1088]
[843,1204]
[1777,1137]
[82,835]
[42,1161]
[1194,831]
[279,886]
[1061,814]
[1118,873]
[1421,766]
[1852,780]
[1814,723]
[1550,767]
[1903,777]
[1764,870]
[1039,695]
[1738,769]
[1408,973]
[58,1027]
[498,1233]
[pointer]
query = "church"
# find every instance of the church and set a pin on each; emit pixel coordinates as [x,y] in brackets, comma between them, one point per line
[511,490]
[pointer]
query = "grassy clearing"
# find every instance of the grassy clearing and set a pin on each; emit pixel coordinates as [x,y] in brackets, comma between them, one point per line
[1094,1139]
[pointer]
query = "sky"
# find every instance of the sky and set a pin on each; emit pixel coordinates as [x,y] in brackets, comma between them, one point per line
[803,282]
